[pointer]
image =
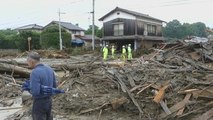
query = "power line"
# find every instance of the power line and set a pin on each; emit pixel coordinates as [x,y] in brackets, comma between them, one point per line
[180,2]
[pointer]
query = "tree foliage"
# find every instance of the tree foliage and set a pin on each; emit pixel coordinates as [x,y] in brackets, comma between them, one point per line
[98,31]
[21,40]
[11,39]
[175,29]
[50,37]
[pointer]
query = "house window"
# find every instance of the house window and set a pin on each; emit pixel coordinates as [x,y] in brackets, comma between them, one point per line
[118,29]
[73,32]
[151,29]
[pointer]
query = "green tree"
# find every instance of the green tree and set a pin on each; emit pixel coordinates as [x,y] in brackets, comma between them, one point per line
[199,29]
[21,40]
[173,29]
[7,39]
[187,30]
[98,32]
[50,37]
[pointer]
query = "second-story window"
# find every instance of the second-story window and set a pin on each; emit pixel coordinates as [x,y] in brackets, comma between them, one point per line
[151,29]
[118,29]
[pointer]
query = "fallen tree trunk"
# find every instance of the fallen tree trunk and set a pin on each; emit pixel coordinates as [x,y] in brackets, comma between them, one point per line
[8,79]
[17,70]
[11,61]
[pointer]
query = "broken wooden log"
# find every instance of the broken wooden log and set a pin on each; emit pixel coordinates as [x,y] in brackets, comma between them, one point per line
[159,96]
[8,79]
[206,116]
[12,61]
[180,112]
[163,105]
[118,76]
[16,69]
[94,109]
[175,107]
[145,88]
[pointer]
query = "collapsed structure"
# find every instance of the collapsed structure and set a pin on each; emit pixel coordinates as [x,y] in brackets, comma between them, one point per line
[175,81]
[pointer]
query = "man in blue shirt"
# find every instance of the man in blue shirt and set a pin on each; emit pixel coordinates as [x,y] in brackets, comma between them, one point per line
[41,75]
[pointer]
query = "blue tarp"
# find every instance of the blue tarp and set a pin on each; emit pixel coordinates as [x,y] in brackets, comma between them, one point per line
[77,42]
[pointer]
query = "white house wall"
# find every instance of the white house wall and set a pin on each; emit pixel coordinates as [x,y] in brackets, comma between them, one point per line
[146,20]
[121,15]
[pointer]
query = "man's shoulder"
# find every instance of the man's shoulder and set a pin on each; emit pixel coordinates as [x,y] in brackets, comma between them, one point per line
[41,67]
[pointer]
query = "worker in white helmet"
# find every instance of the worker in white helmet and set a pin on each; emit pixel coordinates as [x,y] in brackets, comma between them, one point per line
[123,53]
[113,52]
[105,52]
[129,50]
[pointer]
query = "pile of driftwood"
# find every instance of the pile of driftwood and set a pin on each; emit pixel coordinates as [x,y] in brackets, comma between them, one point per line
[175,82]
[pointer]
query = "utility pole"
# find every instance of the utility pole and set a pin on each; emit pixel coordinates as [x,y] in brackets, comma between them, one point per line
[59,25]
[93,25]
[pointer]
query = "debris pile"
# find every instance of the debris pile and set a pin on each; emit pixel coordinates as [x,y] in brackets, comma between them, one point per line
[174,82]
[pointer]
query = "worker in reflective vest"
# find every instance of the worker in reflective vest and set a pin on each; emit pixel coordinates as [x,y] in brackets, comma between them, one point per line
[105,52]
[123,53]
[129,49]
[113,52]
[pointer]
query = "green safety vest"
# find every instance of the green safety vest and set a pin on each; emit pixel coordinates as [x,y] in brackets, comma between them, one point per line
[124,50]
[129,50]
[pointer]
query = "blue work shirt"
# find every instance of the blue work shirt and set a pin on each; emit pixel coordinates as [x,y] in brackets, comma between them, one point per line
[41,75]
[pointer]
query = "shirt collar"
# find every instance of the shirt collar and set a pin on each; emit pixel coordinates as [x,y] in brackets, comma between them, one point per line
[40,64]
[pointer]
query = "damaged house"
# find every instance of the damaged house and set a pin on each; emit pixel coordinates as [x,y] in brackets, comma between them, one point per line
[122,27]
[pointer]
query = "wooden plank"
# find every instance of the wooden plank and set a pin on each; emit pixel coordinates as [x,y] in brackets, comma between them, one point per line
[131,81]
[209,104]
[129,93]
[94,109]
[175,107]
[165,107]
[159,96]
[188,91]
[145,88]
[135,88]
[180,112]
[206,116]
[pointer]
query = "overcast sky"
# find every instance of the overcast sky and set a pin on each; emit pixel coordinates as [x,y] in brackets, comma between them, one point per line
[16,13]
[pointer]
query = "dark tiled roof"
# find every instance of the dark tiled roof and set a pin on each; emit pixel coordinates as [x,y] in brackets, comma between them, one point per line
[30,26]
[69,26]
[129,12]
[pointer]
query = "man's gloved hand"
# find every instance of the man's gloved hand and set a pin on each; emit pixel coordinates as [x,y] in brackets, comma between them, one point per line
[26,85]
[46,90]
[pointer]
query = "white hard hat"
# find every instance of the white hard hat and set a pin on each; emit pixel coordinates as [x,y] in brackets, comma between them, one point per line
[129,44]
[123,46]
[113,46]
[106,45]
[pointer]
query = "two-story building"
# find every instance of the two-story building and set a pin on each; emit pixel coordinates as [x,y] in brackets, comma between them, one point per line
[123,27]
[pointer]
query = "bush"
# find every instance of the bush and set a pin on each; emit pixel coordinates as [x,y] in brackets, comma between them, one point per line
[7,44]
[21,40]
[50,38]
